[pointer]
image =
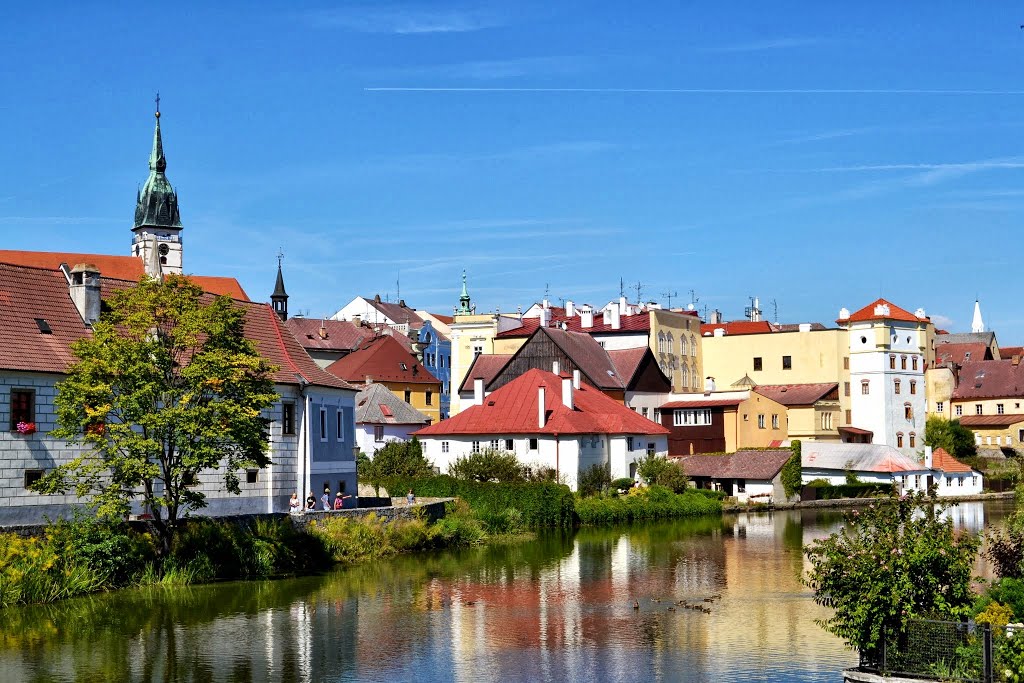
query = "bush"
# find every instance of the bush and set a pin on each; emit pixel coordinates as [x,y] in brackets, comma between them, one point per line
[113,551]
[648,503]
[593,480]
[792,471]
[488,465]
[891,563]
[654,469]
[541,504]
[827,491]
[396,459]
[622,484]
[35,570]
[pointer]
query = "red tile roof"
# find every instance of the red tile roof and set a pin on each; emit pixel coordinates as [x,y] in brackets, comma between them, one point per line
[763,465]
[960,353]
[339,336]
[513,409]
[737,327]
[1004,420]
[627,362]
[446,319]
[704,403]
[943,461]
[486,367]
[381,360]
[30,293]
[895,313]
[799,394]
[128,268]
[1011,351]
[990,379]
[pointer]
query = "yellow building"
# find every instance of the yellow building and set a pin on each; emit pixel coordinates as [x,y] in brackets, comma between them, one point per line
[997,431]
[745,354]
[813,410]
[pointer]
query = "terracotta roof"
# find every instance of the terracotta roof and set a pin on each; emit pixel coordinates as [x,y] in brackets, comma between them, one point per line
[895,313]
[1004,420]
[375,404]
[446,319]
[990,379]
[627,362]
[382,359]
[128,268]
[703,403]
[513,409]
[340,335]
[1011,351]
[485,366]
[762,465]
[798,394]
[946,352]
[27,294]
[856,430]
[737,327]
[400,313]
[943,461]
[641,322]
[30,293]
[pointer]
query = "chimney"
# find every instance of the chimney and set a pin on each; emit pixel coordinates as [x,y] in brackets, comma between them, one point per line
[616,319]
[85,291]
[623,306]
[541,408]
[545,316]
[545,304]
[709,384]
[719,332]
[555,369]
[606,315]
[323,330]
[478,391]
[716,317]
[927,457]
[1015,360]
[567,392]
[844,313]
[357,320]
[575,379]
[805,327]
[401,303]
[586,317]
[570,309]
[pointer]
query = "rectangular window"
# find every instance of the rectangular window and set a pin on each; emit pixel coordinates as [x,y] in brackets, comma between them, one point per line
[846,388]
[939,405]
[657,415]
[999,409]
[917,481]
[340,418]
[741,486]
[913,362]
[494,444]
[287,418]
[32,476]
[849,416]
[775,421]
[960,481]
[913,439]
[977,409]
[478,349]
[959,410]
[644,412]
[846,362]
[689,418]
[899,441]
[476,447]
[896,385]
[408,396]
[252,476]
[892,362]
[760,421]
[651,450]
[865,387]
[444,446]
[509,445]
[629,443]
[908,412]
[323,424]
[378,433]
[23,407]
[757,363]
[903,362]
[974,480]
[533,443]
[913,387]
[787,362]
[430,398]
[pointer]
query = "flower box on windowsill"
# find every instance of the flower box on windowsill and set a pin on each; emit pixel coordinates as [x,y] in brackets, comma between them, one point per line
[25,428]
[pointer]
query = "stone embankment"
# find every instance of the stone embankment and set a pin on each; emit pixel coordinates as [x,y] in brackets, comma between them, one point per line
[854,502]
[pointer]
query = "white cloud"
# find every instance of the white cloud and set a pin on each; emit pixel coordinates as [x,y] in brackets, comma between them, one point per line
[769,44]
[405,19]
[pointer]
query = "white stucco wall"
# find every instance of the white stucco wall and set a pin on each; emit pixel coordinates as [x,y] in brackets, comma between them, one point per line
[367,443]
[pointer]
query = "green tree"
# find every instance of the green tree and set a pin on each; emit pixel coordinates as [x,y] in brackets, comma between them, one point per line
[792,474]
[656,470]
[950,435]
[488,465]
[593,480]
[894,561]
[401,459]
[167,387]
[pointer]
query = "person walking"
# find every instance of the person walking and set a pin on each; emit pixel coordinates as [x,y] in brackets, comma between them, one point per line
[325,499]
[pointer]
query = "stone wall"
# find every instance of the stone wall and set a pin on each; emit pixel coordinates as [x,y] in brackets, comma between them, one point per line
[432,509]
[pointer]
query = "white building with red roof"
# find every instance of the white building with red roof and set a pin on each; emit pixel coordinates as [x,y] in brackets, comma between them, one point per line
[953,477]
[549,421]
[889,349]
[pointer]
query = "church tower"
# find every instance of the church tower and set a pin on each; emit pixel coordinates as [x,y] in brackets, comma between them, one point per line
[157,228]
[279,299]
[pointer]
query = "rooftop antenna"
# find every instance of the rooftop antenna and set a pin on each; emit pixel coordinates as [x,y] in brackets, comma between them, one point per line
[753,311]
[547,291]
[775,310]
[705,314]
[694,298]
[669,295]
[639,288]
[398,285]
[622,287]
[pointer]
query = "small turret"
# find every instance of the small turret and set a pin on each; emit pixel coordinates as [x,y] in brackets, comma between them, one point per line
[464,304]
[279,299]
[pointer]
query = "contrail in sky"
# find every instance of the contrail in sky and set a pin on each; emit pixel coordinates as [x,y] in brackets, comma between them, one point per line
[709,91]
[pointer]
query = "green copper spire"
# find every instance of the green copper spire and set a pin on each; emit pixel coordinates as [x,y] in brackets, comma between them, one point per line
[464,307]
[157,205]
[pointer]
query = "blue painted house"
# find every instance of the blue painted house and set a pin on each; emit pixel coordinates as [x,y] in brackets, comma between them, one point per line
[437,358]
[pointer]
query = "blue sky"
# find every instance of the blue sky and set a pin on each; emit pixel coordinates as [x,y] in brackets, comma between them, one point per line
[816,154]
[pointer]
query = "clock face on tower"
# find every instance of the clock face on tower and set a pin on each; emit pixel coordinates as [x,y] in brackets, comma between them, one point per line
[164,249]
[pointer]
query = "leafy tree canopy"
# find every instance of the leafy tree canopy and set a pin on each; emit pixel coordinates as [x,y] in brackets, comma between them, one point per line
[892,562]
[657,470]
[167,387]
[950,435]
[488,465]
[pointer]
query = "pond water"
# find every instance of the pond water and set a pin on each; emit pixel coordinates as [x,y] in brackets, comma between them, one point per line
[560,608]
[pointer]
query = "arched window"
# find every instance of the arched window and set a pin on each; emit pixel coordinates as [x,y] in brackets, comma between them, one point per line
[693,347]
[661,342]
[913,439]
[670,343]
[899,439]
[896,384]
[685,374]
[683,351]
[695,383]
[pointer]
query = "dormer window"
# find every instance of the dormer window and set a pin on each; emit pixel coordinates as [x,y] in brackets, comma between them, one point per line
[403,366]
